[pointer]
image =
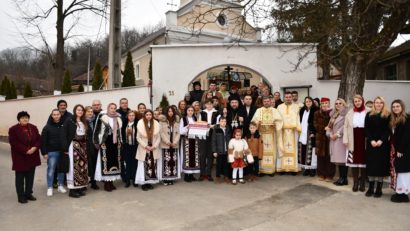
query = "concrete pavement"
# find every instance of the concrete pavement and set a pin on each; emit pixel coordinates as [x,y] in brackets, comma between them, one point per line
[271,203]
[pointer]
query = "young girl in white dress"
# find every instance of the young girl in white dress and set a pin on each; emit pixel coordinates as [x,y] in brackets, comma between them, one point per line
[237,151]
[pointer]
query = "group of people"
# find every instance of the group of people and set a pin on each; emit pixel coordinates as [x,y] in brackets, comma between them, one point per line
[248,136]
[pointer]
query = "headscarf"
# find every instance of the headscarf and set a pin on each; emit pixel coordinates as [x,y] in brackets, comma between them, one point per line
[114,116]
[362,107]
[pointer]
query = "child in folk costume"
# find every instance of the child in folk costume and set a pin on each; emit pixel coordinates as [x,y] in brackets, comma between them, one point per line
[255,144]
[238,150]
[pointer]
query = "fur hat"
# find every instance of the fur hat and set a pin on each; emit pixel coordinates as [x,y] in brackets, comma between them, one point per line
[324,99]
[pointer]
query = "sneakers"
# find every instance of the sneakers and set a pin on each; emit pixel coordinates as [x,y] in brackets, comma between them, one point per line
[61,189]
[50,192]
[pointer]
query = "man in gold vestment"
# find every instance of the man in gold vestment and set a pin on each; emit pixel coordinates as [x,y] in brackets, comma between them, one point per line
[270,125]
[288,159]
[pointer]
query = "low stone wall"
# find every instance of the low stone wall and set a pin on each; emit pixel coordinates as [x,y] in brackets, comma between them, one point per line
[39,108]
[389,90]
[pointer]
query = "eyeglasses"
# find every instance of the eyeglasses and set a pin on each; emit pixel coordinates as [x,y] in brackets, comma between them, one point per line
[338,103]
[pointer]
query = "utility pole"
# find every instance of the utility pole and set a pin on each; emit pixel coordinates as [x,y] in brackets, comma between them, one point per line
[88,69]
[114,53]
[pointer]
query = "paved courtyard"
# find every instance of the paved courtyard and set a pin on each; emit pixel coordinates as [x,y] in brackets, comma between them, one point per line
[271,203]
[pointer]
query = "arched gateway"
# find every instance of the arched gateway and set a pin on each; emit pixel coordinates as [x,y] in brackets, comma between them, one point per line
[176,66]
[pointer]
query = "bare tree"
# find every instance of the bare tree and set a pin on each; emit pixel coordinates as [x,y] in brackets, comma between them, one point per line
[33,15]
[352,33]
[130,37]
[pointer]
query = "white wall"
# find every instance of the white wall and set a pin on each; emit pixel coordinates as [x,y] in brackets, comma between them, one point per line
[39,108]
[174,66]
[177,65]
[389,90]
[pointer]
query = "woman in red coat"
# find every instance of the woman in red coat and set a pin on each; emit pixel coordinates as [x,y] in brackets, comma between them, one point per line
[25,142]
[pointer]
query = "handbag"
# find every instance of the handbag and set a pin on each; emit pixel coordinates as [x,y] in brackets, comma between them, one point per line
[63,165]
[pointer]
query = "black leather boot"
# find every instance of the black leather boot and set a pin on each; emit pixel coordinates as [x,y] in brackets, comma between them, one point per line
[378,192]
[306,172]
[73,193]
[22,199]
[355,187]
[362,184]
[355,173]
[127,184]
[94,185]
[370,190]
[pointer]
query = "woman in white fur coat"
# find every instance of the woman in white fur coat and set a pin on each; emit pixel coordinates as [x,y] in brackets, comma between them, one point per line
[148,152]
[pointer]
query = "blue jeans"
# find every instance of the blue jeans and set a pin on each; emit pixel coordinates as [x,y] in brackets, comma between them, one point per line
[51,167]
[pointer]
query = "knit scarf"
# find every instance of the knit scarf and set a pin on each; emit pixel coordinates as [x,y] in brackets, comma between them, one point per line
[114,116]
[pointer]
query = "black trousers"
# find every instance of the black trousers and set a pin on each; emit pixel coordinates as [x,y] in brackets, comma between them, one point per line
[92,160]
[222,167]
[206,159]
[24,182]
[123,170]
[253,168]
[128,153]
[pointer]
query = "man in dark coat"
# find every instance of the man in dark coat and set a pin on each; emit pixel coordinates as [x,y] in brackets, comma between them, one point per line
[246,113]
[123,111]
[276,98]
[96,106]
[208,115]
[196,94]
[62,107]
[233,116]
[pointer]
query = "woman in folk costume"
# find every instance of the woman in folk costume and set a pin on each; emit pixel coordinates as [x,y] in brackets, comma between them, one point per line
[400,152]
[334,131]
[76,131]
[189,147]
[169,165]
[307,155]
[129,134]
[325,169]
[354,139]
[377,133]
[148,151]
[107,137]
[238,148]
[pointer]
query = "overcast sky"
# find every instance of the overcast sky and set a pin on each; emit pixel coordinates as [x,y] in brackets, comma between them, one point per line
[135,14]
